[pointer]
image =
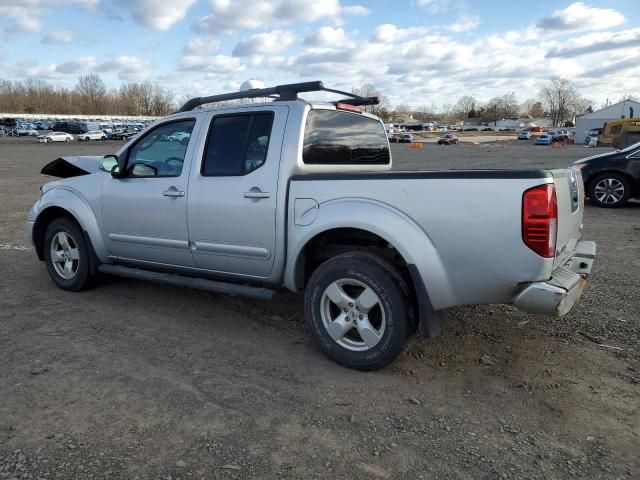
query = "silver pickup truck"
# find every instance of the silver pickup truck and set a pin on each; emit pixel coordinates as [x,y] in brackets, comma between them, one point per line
[251,197]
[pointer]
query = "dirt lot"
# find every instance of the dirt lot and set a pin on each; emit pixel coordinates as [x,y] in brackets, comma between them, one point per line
[133,380]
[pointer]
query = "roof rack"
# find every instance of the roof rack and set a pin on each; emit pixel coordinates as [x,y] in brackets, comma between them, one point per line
[280,93]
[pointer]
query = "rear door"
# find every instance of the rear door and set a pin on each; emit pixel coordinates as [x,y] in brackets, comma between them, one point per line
[233,192]
[570,198]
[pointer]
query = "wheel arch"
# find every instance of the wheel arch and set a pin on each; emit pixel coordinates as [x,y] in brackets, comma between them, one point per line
[395,236]
[65,202]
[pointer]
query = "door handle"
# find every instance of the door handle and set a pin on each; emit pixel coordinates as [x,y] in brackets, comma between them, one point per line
[173,193]
[256,194]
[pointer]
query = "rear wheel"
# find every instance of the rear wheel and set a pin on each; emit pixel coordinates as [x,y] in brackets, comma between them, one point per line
[67,255]
[357,310]
[610,190]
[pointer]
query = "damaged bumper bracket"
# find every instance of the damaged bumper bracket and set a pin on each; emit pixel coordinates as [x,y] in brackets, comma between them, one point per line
[559,294]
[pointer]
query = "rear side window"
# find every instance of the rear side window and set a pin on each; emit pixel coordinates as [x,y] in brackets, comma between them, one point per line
[237,144]
[339,138]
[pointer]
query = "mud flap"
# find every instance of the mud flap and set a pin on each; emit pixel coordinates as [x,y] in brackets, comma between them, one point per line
[429,319]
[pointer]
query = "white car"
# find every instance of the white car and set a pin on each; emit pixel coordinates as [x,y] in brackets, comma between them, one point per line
[179,136]
[56,137]
[92,135]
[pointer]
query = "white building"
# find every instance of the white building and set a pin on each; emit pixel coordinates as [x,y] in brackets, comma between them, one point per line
[597,119]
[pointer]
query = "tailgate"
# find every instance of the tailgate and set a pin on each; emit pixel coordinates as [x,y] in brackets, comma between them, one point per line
[570,197]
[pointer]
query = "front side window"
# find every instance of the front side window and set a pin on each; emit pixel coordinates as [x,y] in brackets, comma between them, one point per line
[161,152]
[237,144]
[338,138]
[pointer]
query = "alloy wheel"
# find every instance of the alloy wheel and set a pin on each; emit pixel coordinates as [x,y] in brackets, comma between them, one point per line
[65,255]
[352,314]
[609,191]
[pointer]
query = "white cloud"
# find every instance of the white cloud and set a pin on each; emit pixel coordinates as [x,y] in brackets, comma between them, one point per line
[157,14]
[24,25]
[328,37]
[81,65]
[435,6]
[231,16]
[465,24]
[216,64]
[597,42]
[129,68]
[578,17]
[389,32]
[263,43]
[201,46]
[357,10]
[23,15]
[59,37]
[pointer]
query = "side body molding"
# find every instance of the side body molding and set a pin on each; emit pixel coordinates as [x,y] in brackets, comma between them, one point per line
[411,241]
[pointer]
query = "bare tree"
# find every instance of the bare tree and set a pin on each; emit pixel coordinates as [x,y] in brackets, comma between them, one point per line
[369,90]
[402,110]
[91,90]
[505,106]
[464,105]
[88,97]
[560,99]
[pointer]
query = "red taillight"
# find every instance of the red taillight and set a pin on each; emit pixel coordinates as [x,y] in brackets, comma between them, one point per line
[540,219]
[348,108]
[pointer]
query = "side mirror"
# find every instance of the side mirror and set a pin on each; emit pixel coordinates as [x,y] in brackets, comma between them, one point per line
[110,164]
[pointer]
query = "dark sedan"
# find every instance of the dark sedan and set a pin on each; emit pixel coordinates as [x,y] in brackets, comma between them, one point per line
[611,179]
[447,139]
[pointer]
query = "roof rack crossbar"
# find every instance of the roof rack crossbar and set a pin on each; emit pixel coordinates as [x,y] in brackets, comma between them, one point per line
[279,93]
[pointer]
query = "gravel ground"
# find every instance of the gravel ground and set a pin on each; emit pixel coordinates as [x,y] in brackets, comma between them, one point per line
[133,380]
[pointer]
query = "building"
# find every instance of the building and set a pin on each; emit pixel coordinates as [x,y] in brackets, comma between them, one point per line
[597,119]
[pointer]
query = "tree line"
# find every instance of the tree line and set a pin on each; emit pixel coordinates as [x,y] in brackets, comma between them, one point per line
[558,100]
[88,97]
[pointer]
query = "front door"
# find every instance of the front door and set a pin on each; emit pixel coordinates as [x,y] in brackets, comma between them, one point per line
[144,213]
[233,193]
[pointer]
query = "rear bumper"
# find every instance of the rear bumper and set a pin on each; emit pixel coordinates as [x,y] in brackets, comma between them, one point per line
[559,294]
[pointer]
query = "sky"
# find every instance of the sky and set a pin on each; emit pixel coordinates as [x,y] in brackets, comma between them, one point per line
[416,52]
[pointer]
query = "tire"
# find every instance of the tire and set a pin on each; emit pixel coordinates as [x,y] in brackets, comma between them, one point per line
[73,271]
[358,311]
[67,139]
[49,140]
[609,190]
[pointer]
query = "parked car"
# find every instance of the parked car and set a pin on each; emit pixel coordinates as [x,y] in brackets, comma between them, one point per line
[92,135]
[611,179]
[27,130]
[544,140]
[179,137]
[447,139]
[526,135]
[123,134]
[55,137]
[405,138]
[376,251]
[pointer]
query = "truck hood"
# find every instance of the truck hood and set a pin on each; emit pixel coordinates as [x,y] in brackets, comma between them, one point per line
[66,167]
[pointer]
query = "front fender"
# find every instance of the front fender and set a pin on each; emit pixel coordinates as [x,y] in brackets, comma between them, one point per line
[72,201]
[389,223]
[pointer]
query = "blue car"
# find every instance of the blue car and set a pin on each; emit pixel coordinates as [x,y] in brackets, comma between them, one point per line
[544,140]
[524,136]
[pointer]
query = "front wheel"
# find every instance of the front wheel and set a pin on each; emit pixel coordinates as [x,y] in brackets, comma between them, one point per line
[357,310]
[67,139]
[67,255]
[610,190]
